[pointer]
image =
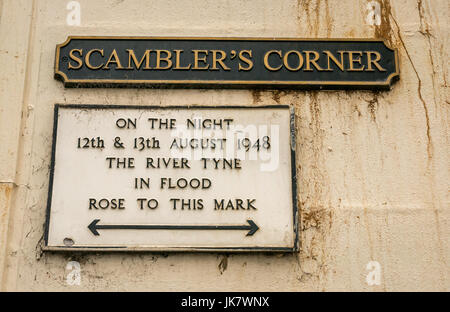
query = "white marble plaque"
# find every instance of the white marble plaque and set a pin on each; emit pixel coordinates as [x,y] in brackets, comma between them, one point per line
[172,178]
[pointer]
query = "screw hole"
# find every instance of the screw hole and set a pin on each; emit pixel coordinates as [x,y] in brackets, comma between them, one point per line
[68,242]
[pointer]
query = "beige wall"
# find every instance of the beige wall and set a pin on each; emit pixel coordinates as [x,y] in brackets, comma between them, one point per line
[373,167]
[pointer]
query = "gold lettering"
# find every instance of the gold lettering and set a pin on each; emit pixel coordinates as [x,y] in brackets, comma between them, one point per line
[370,61]
[132,56]
[351,61]
[266,60]
[333,58]
[88,59]
[76,59]
[286,63]
[177,62]
[246,60]
[216,60]
[197,59]
[165,59]
[113,58]
[313,61]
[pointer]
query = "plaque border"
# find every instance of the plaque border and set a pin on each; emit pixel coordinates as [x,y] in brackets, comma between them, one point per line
[292,142]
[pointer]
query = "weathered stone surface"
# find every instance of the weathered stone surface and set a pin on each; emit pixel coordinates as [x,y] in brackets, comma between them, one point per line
[373,168]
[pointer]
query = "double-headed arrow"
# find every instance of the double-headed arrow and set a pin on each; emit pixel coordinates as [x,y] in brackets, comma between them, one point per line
[252,227]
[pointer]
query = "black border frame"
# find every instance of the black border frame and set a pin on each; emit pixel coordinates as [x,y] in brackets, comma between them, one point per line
[292,141]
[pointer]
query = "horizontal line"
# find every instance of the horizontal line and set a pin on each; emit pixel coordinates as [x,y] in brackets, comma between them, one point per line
[228,38]
[168,249]
[170,227]
[225,82]
[273,39]
[188,107]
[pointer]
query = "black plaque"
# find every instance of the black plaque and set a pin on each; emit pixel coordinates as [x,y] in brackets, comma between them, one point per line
[225,62]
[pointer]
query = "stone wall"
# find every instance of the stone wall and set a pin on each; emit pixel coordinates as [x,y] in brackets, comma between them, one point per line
[372,166]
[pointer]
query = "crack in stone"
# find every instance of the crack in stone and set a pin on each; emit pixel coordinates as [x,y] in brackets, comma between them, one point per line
[419,91]
[425,31]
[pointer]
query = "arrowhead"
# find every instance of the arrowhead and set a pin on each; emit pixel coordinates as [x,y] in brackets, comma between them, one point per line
[93,227]
[253,228]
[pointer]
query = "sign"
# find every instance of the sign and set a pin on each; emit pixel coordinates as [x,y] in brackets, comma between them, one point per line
[225,62]
[172,178]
